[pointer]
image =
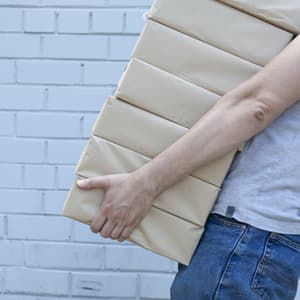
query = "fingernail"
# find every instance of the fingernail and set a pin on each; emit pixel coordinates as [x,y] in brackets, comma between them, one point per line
[81,182]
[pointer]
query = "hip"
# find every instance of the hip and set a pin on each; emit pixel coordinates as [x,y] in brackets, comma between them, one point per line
[234,260]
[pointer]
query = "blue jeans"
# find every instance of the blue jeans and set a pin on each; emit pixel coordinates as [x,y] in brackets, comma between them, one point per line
[236,261]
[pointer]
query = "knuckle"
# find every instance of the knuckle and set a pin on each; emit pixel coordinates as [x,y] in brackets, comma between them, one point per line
[131,223]
[89,182]
[116,217]
[107,207]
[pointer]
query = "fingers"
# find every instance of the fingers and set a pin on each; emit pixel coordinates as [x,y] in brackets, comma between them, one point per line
[116,232]
[93,182]
[97,223]
[112,230]
[107,228]
[126,233]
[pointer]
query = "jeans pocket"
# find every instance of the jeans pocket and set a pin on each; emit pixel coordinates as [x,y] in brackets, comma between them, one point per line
[278,270]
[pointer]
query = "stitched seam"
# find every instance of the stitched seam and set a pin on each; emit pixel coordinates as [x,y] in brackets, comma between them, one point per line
[228,262]
[259,263]
[230,223]
[286,242]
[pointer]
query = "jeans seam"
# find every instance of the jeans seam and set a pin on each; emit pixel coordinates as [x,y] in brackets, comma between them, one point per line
[260,262]
[285,241]
[229,261]
[230,223]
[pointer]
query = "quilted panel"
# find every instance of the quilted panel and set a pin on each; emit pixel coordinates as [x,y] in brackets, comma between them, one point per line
[148,134]
[223,27]
[282,13]
[191,59]
[190,199]
[158,231]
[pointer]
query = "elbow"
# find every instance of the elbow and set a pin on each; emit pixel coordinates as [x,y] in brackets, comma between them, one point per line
[262,112]
[265,107]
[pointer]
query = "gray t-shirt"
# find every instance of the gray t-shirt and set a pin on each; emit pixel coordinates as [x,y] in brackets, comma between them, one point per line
[262,185]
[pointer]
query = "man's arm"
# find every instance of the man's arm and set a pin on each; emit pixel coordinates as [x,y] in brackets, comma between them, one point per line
[237,116]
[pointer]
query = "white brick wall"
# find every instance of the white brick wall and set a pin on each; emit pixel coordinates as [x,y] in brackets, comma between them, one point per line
[59,59]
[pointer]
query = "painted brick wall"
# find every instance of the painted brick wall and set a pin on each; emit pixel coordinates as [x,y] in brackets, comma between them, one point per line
[59,59]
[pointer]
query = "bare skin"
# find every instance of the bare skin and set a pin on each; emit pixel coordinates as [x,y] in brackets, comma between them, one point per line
[237,116]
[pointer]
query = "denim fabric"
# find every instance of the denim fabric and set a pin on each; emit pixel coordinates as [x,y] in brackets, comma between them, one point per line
[236,261]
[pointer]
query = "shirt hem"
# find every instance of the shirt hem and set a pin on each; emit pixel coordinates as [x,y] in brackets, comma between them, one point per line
[257,221]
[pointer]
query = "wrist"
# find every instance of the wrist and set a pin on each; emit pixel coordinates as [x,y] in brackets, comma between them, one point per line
[145,182]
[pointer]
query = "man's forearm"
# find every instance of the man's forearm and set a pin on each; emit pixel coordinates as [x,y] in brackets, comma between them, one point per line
[229,123]
[237,116]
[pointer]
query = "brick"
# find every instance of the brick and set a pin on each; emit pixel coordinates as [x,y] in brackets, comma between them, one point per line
[108,21]
[10,19]
[21,2]
[65,152]
[48,72]
[70,256]
[11,253]
[39,176]
[39,228]
[73,21]
[21,201]
[23,297]
[134,3]
[134,258]
[22,280]
[17,297]
[88,123]
[65,176]
[1,227]
[174,266]
[134,21]
[297,297]
[162,283]
[21,150]
[6,124]
[77,3]
[72,46]
[7,74]
[54,202]
[21,97]
[104,285]
[10,176]
[103,72]
[1,281]
[121,47]
[77,98]
[10,45]
[37,20]
[48,125]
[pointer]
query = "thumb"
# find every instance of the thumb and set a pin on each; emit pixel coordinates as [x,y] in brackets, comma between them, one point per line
[93,182]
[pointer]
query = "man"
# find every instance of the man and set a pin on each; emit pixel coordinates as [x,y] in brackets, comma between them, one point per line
[251,246]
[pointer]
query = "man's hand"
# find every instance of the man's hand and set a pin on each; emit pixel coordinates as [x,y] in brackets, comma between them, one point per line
[127,200]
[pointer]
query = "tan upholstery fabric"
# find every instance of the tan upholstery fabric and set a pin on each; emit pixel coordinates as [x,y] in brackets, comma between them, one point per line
[282,13]
[224,27]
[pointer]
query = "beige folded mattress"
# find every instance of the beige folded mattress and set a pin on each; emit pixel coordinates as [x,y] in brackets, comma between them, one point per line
[188,54]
